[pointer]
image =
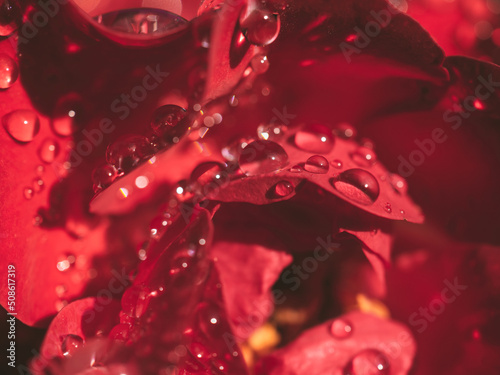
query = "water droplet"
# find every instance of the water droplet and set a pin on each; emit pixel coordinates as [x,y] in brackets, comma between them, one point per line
[48,151]
[270,132]
[67,115]
[341,328]
[262,157]
[207,172]
[22,125]
[103,176]
[259,25]
[143,21]
[127,152]
[282,189]
[70,344]
[345,131]
[260,64]
[316,164]
[398,183]
[368,362]
[209,319]
[357,184]
[315,138]
[167,123]
[38,185]
[388,207]
[9,12]
[28,193]
[8,71]
[336,164]
[158,226]
[297,168]
[364,157]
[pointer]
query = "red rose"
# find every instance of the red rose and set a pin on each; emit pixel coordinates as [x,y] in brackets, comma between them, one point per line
[204,190]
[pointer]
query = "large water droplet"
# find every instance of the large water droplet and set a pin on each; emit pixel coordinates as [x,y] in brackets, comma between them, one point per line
[341,328]
[127,152]
[368,362]
[357,184]
[282,189]
[364,157]
[70,344]
[103,176]
[260,64]
[262,157]
[259,25]
[167,123]
[316,164]
[8,71]
[315,138]
[143,21]
[22,125]
[48,151]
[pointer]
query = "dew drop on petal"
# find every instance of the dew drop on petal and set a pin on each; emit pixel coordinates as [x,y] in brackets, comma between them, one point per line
[364,157]
[317,164]
[315,138]
[8,12]
[259,25]
[357,184]
[8,71]
[270,132]
[398,183]
[22,125]
[38,185]
[66,114]
[167,123]
[70,344]
[341,328]
[345,131]
[48,151]
[207,172]
[296,169]
[103,176]
[282,189]
[262,157]
[28,193]
[368,362]
[260,64]
[388,208]
[127,152]
[336,164]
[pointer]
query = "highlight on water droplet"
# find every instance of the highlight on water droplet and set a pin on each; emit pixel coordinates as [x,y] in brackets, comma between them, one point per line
[317,164]
[259,64]
[364,157]
[368,361]
[70,344]
[336,163]
[357,184]
[8,71]
[261,157]
[341,328]
[315,138]
[22,125]
[398,183]
[67,114]
[259,25]
[281,189]
[48,151]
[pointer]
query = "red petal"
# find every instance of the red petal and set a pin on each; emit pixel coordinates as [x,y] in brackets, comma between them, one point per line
[317,351]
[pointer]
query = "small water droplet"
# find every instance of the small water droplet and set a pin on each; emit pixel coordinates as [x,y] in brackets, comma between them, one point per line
[168,123]
[368,361]
[208,172]
[70,344]
[127,152]
[259,25]
[28,193]
[48,151]
[336,164]
[8,71]
[364,157]
[261,157]
[38,185]
[209,319]
[388,207]
[316,164]
[398,183]
[345,131]
[260,64]
[315,138]
[282,189]
[341,328]
[358,185]
[22,125]
[67,115]
[270,132]
[39,170]
[103,176]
